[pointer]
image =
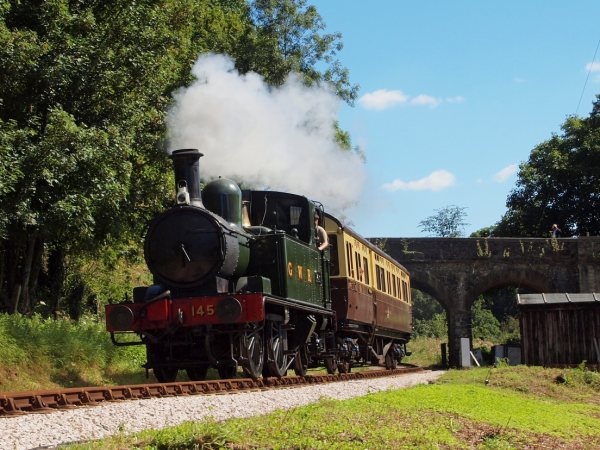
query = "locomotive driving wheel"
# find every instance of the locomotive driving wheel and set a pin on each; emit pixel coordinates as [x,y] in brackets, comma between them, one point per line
[277,360]
[253,352]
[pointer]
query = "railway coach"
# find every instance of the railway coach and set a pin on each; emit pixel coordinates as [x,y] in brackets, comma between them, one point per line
[371,296]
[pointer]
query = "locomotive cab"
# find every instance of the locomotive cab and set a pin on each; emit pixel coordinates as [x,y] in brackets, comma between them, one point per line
[284,247]
[282,212]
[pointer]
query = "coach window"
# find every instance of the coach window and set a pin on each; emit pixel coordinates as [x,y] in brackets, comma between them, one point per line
[358,268]
[366,269]
[394,284]
[350,260]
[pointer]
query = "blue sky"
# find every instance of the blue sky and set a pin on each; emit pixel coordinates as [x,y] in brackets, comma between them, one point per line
[454,95]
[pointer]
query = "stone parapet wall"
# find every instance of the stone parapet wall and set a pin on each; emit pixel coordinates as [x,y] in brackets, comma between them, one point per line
[531,249]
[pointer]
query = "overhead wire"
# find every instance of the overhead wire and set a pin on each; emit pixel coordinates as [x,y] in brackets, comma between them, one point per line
[587,77]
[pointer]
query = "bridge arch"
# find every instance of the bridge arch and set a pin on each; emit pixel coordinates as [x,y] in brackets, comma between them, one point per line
[457,270]
[425,283]
[534,281]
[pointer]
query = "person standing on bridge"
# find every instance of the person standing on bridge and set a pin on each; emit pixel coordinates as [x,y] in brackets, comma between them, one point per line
[555,232]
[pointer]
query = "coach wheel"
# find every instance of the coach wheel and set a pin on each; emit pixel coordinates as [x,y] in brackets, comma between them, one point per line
[344,367]
[197,373]
[331,364]
[277,360]
[301,361]
[253,353]
[390,361]
[165,374]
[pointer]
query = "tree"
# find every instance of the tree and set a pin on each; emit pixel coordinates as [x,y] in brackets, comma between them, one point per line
[484,232]
[560,183]
[84,90]
[429,317]
[289,38]
[446,222]
[485,325]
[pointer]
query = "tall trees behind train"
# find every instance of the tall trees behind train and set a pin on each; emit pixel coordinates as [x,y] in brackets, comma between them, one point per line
[83,95]
[560,183]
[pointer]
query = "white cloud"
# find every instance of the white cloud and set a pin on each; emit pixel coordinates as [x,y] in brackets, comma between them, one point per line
[382,99]
[385,98]
[506,173]
[593,67]
[425,100]
[457,99]
[435,181]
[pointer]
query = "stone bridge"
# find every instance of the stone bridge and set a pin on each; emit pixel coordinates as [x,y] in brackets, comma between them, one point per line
[457,270]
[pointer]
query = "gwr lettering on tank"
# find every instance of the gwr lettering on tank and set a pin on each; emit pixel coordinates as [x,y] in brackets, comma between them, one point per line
[300,272]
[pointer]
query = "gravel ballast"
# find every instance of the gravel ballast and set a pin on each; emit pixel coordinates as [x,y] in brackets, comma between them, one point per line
[88,423]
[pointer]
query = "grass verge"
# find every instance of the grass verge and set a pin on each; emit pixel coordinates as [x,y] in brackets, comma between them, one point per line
[38,353]
[517,408]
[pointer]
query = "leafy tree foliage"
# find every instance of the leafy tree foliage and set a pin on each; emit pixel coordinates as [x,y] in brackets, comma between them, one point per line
[484,232]
[485,325]
[446,222]
[290,38]
[560,183]
[429,318]
[85,87]
[493,316]
[84,90]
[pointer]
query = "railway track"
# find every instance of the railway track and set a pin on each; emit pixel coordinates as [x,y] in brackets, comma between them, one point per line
[27,402]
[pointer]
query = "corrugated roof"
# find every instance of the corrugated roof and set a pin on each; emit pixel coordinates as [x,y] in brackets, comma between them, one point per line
[548,299]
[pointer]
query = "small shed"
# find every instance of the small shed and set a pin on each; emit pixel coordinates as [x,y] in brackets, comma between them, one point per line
[560,329]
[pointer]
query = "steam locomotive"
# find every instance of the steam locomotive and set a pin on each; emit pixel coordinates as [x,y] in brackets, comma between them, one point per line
[239,282]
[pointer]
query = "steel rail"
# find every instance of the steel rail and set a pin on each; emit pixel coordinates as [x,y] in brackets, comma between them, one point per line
[14,403]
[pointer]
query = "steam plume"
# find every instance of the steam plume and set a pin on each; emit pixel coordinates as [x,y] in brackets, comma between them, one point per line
[276,138]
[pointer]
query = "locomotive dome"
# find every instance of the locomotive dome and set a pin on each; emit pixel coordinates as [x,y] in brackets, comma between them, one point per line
[224,198]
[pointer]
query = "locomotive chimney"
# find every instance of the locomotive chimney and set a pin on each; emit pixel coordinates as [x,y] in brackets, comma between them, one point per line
[186,163]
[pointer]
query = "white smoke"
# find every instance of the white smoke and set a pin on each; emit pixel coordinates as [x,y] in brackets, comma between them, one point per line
[280,139]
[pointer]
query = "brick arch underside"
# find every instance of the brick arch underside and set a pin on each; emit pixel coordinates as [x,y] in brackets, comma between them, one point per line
[533,280]
[423,281]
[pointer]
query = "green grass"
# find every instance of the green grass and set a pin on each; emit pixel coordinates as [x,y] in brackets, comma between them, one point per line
[38,353]
[425,352]
[487,408]
[461,410]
